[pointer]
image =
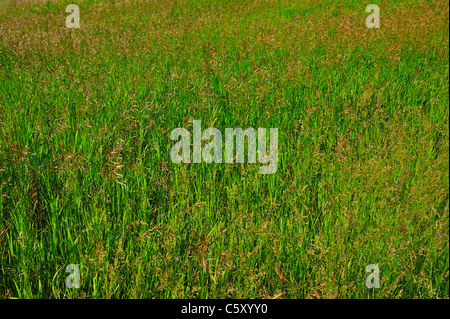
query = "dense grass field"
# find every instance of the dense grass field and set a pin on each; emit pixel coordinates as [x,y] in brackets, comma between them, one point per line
[86,176]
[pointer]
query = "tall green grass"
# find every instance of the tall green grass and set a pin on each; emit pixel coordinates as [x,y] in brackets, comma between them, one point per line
[85,170]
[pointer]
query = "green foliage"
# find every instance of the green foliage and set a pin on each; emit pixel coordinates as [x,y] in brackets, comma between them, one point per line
[86,177]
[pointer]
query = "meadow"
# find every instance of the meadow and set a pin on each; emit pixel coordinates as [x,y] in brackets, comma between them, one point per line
[363,149]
